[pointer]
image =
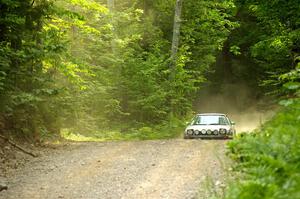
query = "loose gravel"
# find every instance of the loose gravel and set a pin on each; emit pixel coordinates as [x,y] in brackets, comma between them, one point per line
[141,169]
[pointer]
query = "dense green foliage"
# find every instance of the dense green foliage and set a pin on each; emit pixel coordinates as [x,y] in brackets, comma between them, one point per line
[77,64]
[269,159]
[27,90]
[265,45]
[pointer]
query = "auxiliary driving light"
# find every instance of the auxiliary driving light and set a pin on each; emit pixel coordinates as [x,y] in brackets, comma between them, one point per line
[223,131]
[197,132]
[215,132]
[209,132]
[203,131]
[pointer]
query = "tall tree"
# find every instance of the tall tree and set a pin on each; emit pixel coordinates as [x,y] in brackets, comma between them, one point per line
[111,8]
[111,5]
[176,35]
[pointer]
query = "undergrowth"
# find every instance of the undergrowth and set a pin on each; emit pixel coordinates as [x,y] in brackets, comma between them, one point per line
[268,159]
[163,131]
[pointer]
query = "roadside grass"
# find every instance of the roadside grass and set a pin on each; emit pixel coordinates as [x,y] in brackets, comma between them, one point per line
[164,131]
[268,159]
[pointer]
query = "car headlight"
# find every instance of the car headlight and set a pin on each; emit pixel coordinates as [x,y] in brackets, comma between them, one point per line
[203,131]
[190,131]
[216,132]
[209,132]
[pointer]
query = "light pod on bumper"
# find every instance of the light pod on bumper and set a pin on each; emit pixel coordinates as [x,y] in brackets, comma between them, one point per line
[209,132]
[216,132]
[223,131]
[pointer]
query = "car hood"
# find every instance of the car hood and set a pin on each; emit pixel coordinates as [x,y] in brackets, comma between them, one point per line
[208,127]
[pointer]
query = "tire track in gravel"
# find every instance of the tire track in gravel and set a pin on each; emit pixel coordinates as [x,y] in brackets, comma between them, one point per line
[163,182]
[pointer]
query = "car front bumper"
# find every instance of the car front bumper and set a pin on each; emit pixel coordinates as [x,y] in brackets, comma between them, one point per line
[208,136]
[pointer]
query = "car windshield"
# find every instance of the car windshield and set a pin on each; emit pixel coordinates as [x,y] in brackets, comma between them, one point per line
[210,120]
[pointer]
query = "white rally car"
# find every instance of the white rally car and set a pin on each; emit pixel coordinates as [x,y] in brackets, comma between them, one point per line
[210,125]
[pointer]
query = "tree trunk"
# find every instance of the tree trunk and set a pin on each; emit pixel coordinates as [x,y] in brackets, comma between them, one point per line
[176,35]
[174,50]
[111,5]
[111,8]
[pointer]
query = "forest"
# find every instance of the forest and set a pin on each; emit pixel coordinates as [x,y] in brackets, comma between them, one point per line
[134,69]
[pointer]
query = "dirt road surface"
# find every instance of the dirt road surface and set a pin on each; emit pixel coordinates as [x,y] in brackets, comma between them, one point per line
[143,169]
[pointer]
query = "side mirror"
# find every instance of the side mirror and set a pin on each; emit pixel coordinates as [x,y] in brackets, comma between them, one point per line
[232,123]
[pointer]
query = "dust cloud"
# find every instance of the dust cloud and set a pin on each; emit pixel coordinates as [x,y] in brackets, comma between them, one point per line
[239,103]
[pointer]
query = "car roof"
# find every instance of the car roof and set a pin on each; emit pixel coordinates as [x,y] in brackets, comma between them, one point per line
[211,114]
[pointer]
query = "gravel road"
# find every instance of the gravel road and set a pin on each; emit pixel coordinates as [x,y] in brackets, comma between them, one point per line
[143,169]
